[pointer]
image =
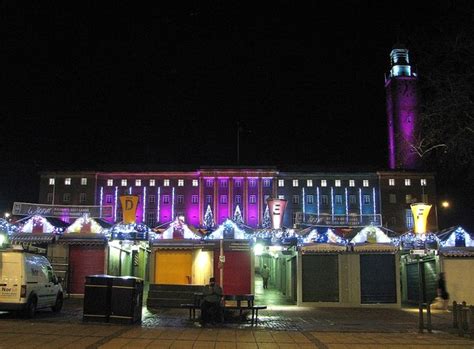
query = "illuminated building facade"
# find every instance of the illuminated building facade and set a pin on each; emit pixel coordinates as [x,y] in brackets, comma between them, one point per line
[338,199]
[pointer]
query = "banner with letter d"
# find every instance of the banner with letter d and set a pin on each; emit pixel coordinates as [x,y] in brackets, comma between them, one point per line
[420,216]
[129,208]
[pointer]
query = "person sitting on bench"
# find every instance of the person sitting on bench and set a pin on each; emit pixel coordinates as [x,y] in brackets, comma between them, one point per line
[210,306]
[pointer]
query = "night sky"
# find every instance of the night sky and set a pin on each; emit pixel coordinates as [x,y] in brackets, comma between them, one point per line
[93,85]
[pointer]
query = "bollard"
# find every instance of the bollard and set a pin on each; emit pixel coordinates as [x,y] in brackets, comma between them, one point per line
[460,321]
[428,317]
[455,314]
[471,309]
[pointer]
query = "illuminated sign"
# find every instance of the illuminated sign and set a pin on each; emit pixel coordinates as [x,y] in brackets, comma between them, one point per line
[129,208]
[420,216]
[277,210]
[29,209]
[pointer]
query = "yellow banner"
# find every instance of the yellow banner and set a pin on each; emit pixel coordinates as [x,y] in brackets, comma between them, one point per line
[420,216]
[129,208]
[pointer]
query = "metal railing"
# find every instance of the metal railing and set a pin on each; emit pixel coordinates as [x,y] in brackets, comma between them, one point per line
[463,319]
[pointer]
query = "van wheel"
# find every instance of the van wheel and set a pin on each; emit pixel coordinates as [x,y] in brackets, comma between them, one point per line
[30,310]
[59,304]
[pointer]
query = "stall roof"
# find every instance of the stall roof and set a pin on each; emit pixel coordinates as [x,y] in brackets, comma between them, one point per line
[82,239]
[31,238]
[455,237]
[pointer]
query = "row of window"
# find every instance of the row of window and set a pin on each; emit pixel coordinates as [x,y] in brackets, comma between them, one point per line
[223,199]
[67,198]
[392,198]
[67,181]
[238,183]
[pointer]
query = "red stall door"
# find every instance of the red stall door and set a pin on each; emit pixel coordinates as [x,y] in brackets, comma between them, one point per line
[237,276]
[83,261]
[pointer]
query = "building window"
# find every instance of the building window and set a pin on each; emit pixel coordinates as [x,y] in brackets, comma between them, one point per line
[110,182]
[195,183]
[352,199]
[51,181]
[223,199]
[265,198]
[366,199]
[150,218]
[324,200]
[324,183]
[252,183]
[392,198]
[295,182]
[252,199]
[266,183]
[365,182]
[67,181]
[309,183]
[281,182]
[83,181]
[180,199]
[66,197]
[424,198]
[337,182]
[351,183]
[338,199]
[151,199]
[180,182]
[281,197]
[238,199]
[108,199]
[49,198]
[296,199]
[152,182]
[407,182]
[124,182]
[209,183]
[209,199]
[423,182]
[408,198]
[194,199]
[310,199]
[393,221]
[224,183]
[82,198]
[166,199]
[391,182]
[238,183]
[166,183]
[138,182]
[408,219]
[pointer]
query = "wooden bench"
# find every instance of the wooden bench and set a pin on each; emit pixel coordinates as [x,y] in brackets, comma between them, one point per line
[243,302]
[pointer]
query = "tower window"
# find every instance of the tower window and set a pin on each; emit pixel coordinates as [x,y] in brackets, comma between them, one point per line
[351,183]
[124,182]
[152,182]
[67,181]
[83,181]
[295,182]
[324,183]
[391,182]
[166,183]
[423,182]
[281,183]
[138,182]
[195,182]
[51,181]
[337,182]
[407,182]
[180,182]
[365,182]
[110,182]
[309,183]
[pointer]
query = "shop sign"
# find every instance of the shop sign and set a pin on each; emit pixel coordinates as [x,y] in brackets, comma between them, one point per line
[66,211]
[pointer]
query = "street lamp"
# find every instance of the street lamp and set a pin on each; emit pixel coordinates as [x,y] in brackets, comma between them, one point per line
[445,204]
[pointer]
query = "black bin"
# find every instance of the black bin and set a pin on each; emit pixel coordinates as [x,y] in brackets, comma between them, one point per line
[97,293]
[126,300]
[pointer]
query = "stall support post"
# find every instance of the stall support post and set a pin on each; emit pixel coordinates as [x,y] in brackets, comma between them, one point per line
[420,298]
[471,309]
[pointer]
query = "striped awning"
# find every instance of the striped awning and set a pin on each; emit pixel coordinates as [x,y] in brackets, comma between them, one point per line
[32,238]
[83,239]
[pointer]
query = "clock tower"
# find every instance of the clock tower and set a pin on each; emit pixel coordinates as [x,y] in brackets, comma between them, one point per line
[402,110]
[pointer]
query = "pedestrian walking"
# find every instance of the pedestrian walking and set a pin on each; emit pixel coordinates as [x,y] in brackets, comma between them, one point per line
[442,292]
[265,276]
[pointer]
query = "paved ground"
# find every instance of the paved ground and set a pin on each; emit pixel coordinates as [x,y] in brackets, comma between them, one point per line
[279,327]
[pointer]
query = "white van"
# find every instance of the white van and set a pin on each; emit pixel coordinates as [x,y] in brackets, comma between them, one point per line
[27,283]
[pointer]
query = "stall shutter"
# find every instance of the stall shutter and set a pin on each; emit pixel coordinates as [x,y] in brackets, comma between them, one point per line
[377,279]
[237,269]
[320,278]
[430,276]
[83,261]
